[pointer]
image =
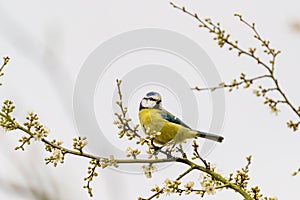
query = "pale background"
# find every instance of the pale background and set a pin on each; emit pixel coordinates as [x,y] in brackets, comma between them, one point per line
[48,43]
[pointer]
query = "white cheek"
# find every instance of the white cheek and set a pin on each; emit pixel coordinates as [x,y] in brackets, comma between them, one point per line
[148,104]
[145,103]
[151,104]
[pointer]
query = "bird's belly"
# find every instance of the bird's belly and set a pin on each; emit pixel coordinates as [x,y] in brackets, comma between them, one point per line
[152,123]
[168,133]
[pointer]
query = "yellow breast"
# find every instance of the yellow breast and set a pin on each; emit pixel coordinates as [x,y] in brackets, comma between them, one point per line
[151,119]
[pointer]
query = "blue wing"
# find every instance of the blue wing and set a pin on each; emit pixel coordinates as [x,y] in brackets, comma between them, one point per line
[171,118]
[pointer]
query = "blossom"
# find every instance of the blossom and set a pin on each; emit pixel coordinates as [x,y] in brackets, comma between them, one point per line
[132,152]
[210,189]
[189,187]
[79,143]
[171,186]
[148,169]
[56,157]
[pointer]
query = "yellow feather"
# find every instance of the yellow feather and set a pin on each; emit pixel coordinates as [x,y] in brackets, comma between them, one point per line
[151,119]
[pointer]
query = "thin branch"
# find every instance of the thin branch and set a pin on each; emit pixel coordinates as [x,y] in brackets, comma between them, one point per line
[223,39]
[234,84]
[24,140]
[5,61]
[218,177]
[162,190]
[131,132]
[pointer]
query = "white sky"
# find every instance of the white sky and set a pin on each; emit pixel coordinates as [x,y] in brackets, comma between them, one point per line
[48,43]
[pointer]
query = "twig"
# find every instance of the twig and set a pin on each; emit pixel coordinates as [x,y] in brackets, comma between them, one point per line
[162,190]
[223,38]
[5,61]
[197,155]
[235,84]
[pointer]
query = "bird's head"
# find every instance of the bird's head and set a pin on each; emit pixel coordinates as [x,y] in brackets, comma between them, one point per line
[151,100]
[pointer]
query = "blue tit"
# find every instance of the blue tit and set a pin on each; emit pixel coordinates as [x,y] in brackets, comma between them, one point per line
[167,128]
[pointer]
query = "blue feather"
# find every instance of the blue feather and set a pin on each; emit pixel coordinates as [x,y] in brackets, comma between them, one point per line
[171,118]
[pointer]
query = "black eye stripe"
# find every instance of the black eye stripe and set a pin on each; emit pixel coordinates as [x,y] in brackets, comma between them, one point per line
[151,99]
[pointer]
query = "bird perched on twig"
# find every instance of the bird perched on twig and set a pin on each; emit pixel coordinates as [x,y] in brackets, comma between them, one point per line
[168,129]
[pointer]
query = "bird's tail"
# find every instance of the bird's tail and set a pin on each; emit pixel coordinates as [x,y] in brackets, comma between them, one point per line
[209,136]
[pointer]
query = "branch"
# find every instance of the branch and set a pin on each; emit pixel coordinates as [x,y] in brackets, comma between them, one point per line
[223,39]
[173,186]
[5,61]
[34,130]
[234,83]
[59,152]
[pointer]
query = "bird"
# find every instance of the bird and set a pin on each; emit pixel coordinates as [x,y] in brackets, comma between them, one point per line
[168,128]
